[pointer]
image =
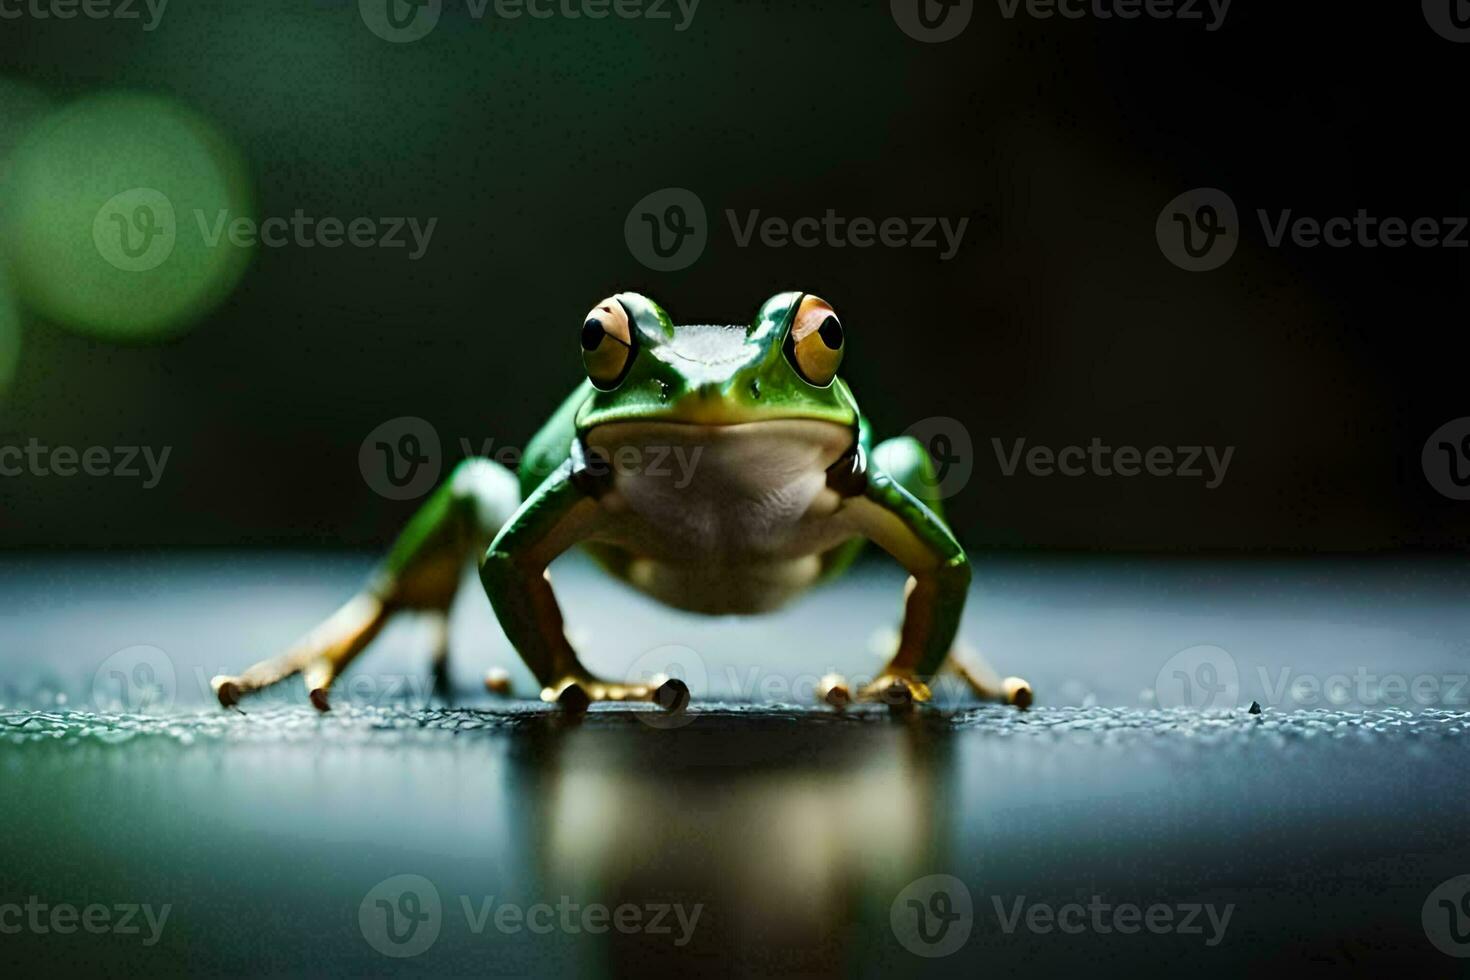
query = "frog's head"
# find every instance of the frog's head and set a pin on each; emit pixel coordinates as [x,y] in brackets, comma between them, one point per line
[782,366]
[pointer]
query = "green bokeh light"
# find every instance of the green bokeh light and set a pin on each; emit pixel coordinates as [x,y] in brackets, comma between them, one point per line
[114,201]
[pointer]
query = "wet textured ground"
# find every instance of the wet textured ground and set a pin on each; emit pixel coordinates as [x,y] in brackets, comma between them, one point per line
[1141,820]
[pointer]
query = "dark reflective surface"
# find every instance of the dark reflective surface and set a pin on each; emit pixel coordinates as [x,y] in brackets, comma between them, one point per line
[785,835]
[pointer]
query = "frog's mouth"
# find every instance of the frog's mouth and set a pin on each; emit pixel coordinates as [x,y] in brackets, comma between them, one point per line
[759,458]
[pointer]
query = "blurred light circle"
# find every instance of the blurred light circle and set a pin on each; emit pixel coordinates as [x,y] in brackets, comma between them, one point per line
[120,212]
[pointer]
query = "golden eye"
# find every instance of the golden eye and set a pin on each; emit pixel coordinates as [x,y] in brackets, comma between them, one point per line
[607,344]
[814,346]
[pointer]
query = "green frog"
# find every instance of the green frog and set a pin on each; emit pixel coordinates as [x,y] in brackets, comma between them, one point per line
[778,488]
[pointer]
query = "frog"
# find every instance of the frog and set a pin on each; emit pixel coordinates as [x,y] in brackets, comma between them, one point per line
[781,488]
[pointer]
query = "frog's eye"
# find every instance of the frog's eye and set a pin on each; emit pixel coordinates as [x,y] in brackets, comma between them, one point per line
[814,346]
[607,344]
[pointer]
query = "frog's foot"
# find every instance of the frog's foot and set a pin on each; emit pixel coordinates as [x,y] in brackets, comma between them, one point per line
[971,669]
[576,692]
[319,656]
[899,691]
[985,683]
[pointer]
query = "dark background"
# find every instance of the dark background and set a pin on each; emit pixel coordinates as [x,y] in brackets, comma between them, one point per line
[1058,321]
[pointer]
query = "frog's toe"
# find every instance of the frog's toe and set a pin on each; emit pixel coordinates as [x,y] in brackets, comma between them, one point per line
[672,695]
[1018,692]
[497,682]
[569,695]
[900,692]
[227,690]
[833,690]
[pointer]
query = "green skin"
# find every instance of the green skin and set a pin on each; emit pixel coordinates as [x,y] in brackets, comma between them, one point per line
[520,523]
[889,493]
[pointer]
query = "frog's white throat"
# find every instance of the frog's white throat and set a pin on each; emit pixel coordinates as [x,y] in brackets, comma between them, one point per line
[721,518]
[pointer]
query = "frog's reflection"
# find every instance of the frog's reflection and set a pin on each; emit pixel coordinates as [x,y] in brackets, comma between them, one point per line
[794,833]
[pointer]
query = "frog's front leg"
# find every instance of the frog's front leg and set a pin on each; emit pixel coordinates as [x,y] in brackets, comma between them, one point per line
[560,514]
[939,582]
[889,512]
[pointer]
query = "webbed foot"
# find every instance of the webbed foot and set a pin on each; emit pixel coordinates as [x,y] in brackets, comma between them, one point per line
[899,691]
[575,693]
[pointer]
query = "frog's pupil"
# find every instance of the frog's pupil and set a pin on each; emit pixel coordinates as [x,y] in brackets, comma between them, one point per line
[831,332]
[592,334]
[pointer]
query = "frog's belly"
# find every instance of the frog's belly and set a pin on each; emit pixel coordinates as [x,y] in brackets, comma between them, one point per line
[721,519]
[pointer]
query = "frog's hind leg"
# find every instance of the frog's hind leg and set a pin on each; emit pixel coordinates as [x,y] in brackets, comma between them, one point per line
[421,574]
[905,461]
